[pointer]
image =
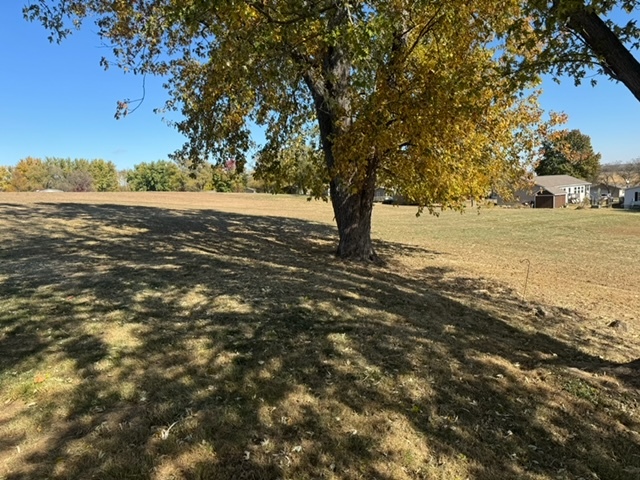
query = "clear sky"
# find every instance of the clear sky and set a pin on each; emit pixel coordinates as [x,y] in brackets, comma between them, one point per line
[56,101]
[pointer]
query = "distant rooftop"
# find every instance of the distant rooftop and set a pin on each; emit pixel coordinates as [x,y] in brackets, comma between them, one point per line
[554,190]
[551,181]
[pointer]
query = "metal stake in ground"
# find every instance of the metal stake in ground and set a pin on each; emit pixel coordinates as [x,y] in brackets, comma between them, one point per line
[524,292]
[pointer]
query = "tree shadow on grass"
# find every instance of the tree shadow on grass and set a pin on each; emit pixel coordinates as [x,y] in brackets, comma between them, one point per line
[203,344]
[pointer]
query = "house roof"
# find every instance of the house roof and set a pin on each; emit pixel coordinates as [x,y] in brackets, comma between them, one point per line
[552,190]
[551,181]
[609,185]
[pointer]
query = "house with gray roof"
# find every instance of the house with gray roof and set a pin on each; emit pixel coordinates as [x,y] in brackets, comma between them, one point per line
[576,190]
[553,191]
[609,189]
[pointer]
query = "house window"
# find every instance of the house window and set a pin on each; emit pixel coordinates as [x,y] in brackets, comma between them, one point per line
[637,197]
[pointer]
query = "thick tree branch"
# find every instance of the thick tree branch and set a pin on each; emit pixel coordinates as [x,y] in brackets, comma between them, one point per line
[617,60]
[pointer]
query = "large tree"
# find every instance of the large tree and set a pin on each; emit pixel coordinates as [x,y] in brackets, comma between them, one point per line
[160,176]
[569,152]
[407,94]
[104,174]
[30,174]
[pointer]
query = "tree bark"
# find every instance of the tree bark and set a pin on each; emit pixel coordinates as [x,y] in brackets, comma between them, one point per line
[619,63]
[352,207]
[353,216]
[352,203]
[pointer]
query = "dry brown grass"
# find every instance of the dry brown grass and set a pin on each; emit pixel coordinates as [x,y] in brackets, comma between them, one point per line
[210,336]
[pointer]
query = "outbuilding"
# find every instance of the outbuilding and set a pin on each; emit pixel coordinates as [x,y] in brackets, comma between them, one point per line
[550,198]
[573,189]
[632,198]
[610,190]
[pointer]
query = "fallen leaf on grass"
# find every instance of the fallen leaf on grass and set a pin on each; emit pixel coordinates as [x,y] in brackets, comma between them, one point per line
[164,434]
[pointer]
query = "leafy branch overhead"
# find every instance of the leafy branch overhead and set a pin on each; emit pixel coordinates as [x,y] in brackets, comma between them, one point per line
[578,38]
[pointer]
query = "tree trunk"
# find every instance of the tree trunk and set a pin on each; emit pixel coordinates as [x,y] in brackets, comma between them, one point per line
[618,62]
[352,203]
[353,216]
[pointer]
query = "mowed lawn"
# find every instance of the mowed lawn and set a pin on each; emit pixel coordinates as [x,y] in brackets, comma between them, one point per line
[215,336]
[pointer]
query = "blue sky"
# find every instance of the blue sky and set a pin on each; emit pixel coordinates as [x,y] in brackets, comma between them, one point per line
[56,101]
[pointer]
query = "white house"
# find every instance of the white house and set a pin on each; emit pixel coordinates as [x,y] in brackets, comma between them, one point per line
[632,197]
[613,190]
[575,189]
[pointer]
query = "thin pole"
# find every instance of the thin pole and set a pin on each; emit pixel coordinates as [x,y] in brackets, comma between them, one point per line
[526,281]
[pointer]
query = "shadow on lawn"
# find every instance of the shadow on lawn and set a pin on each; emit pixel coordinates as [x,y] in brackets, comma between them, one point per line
[216,345]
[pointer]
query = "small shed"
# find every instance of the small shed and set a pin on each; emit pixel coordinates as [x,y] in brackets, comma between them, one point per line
[550,198]
[632,198]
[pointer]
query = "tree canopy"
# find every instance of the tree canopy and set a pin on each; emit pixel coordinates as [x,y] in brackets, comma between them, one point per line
[104,175]
[422,97]
[77,175]
[30,174]
[160,176]
[297,166]
[569,152]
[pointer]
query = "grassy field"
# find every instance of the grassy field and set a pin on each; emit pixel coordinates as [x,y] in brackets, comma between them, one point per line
[213,336]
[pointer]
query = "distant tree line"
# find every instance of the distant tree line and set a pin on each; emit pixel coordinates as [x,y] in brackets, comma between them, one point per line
[621,174]
[184,176]
[77,175]
[81,175]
